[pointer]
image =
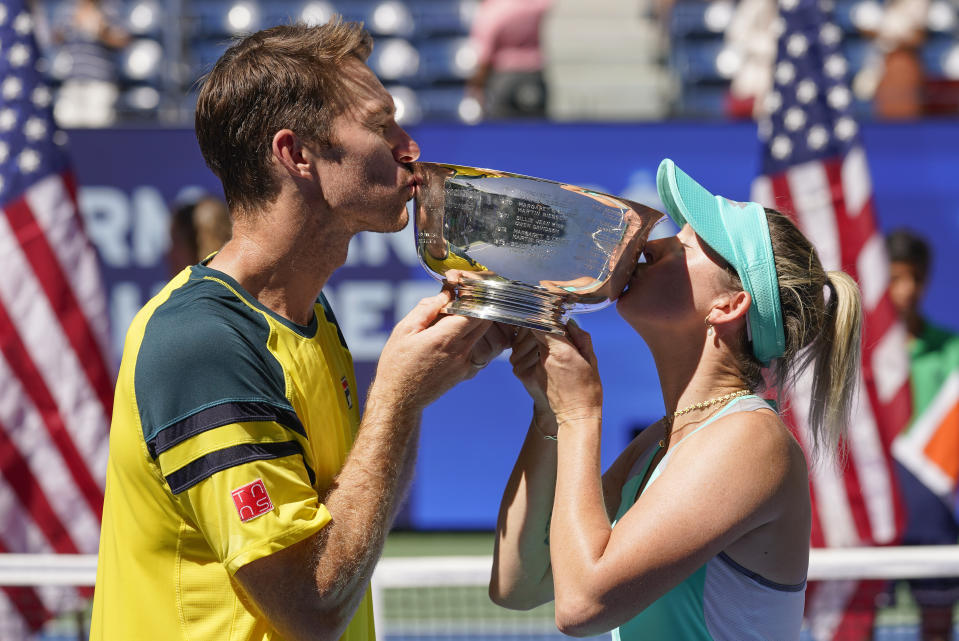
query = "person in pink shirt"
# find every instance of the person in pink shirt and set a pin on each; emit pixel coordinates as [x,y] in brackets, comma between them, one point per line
[508,80]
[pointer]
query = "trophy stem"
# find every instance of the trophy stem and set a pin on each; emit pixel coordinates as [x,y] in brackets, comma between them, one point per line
[510,302]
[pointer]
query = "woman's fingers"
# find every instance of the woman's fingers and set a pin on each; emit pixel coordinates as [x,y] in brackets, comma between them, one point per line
[556,345]
[528,361]
[577,340]
[523,344]
[582,340]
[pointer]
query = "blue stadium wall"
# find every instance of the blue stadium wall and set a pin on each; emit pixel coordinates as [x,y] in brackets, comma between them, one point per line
[128,179]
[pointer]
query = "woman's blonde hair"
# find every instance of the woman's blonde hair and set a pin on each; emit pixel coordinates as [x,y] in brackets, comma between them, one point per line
[822,322]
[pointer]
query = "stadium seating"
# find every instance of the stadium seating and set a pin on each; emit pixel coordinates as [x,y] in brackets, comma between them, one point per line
[605,59]
[697,45]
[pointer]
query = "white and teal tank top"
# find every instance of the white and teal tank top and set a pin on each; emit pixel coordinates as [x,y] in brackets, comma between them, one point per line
[722,600]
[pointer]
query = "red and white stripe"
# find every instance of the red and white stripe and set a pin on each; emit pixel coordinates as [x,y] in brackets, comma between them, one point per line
[56,385]
[857,504]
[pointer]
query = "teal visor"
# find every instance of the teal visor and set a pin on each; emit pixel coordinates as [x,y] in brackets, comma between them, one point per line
[740,234]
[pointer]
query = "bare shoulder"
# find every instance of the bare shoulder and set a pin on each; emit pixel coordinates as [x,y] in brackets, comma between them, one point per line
[755,443]
[761,429]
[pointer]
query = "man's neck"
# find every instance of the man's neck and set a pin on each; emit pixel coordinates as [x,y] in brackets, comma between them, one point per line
[283,256]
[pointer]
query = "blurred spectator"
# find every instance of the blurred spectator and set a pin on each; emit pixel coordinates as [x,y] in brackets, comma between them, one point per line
[508,81]
[934,356]
[893,77]
[89,35]
[911,258]
[197,229]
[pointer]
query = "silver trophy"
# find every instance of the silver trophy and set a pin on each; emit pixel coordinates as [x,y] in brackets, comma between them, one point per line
[525,251]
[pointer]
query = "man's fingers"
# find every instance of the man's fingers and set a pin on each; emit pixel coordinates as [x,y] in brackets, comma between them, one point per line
[477,329]
[503,335]
[425,312]
[482,353]
[462,332]
[494,341]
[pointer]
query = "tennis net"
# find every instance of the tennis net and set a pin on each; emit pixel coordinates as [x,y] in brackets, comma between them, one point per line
[445,597]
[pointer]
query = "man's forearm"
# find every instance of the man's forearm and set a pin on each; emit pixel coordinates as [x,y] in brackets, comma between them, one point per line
[364,497]
[406,473]
[312,590]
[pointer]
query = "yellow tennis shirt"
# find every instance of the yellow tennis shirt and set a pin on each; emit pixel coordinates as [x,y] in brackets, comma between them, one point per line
[229,422]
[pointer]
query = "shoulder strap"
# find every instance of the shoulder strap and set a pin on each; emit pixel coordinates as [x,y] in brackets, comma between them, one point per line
[748,403]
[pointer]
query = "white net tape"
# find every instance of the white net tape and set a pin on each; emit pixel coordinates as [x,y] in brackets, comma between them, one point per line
[448,571]
[423,598]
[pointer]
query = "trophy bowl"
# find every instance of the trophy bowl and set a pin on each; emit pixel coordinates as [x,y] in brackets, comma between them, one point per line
[521,250]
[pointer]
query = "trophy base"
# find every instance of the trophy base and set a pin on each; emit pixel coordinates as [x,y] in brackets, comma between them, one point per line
[511,303]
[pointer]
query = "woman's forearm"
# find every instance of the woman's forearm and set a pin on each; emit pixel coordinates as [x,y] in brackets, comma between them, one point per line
[521,576]
[580,527]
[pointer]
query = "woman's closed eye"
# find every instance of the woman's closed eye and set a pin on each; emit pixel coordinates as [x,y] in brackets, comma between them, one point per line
[661,248]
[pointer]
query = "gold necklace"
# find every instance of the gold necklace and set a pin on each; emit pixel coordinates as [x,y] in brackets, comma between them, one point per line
[712,401]
[698,406]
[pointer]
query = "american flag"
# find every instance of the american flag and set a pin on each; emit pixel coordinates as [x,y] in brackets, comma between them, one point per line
[814,169]
[56,384]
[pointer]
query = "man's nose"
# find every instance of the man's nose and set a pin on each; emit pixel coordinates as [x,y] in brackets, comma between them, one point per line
[407,150]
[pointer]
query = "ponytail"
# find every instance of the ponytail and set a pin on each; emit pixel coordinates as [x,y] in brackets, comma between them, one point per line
[837,354]
[822,333]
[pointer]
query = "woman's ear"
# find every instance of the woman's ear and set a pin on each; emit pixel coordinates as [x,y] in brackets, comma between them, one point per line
[730,310]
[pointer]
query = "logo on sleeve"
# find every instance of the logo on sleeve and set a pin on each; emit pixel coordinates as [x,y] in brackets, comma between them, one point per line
[346,392]
[251,500]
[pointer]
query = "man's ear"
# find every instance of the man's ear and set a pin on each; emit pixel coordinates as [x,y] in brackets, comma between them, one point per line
[730,310]
[289,153]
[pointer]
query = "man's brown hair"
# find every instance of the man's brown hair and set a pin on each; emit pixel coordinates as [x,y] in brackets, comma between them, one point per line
[285,77]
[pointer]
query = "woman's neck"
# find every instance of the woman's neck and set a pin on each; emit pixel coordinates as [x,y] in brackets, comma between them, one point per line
[693,375]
